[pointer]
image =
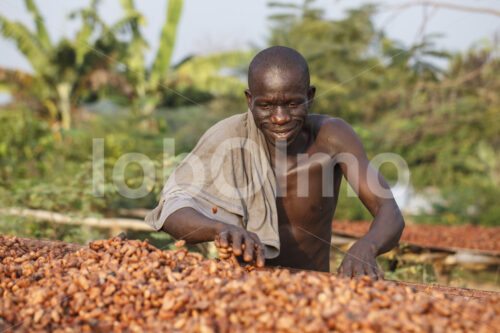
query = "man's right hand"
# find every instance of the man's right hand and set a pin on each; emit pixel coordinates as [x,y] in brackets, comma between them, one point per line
[241,242]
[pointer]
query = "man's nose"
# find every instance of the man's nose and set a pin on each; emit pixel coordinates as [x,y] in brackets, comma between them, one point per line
[281,116]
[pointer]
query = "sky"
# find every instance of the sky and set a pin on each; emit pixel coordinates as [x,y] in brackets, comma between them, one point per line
[216,25]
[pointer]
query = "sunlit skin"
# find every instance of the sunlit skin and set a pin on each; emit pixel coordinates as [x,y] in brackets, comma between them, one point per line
[280,99]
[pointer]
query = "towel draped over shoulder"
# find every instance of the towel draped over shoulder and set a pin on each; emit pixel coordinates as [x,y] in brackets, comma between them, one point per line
[229,168]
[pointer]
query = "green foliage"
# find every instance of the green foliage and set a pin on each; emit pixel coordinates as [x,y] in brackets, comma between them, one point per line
[349,206]
[24,140]
[42,35]
[26,41]
[187,124]
[336,51]
[43,230]
[464,205]
[36,170]
[133,54]
[444,123]
[167,40]
[72,72]
[409,272]
[107,62]
[204,73]
[64,73]
[49,170]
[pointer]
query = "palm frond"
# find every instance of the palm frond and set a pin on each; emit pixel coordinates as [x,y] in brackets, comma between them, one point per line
[219,74]
[26,42]
[275,4]
[134,60]
[41,31]
[83,38]
[167,42]
[90,20]
[133,18]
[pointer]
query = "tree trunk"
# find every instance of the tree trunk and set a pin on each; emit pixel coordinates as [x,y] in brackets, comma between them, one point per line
[64,91]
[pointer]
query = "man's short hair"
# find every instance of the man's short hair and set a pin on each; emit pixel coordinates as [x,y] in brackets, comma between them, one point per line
[280,57]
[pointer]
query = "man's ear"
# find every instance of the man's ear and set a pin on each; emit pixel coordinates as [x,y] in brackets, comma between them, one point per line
[249,98]
[310,96]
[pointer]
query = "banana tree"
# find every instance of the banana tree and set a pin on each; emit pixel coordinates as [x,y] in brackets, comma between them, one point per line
[63,72]
[215,74]
[85,69]
[221,73]
[147,82]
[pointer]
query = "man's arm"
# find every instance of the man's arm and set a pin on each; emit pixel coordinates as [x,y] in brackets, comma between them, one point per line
[388,223]
[193,227]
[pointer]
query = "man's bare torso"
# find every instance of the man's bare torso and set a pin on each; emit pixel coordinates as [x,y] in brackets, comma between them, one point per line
[305,218]
[280,95]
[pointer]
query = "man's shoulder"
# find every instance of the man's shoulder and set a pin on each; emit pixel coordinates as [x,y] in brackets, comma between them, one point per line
[331,132]
[327,126]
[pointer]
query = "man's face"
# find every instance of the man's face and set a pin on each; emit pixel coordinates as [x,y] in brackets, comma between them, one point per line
[279,101]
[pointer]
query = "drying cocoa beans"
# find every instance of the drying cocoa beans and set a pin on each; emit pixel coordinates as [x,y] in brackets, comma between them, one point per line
[129,285]
[466,237]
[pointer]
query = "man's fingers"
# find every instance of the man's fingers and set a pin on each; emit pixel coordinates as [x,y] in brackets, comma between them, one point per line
[261,256]
[240,243]
[358,269]
[374,271]
[347,269]
[260,252]
[370,271]
[249,249]
[380,274]
[223,237]
[256,239]
[236,243]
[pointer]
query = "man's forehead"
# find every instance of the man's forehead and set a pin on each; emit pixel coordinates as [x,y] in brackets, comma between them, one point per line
[277,70]
[275,76]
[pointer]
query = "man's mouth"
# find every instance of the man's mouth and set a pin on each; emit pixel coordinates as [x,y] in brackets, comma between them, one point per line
[283,133]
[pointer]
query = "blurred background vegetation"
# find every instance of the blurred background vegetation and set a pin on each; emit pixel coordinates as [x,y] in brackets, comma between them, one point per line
[444,122]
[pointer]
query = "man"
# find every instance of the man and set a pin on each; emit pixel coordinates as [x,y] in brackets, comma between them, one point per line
[282,216]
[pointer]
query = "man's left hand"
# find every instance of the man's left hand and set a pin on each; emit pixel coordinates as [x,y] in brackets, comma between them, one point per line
[360,260]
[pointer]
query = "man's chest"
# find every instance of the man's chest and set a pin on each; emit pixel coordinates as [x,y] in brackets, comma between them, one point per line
[309,175]
[308,190]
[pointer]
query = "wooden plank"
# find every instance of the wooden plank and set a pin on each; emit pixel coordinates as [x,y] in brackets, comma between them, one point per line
[453,291]
[139,213]
[38,243]
[111,223]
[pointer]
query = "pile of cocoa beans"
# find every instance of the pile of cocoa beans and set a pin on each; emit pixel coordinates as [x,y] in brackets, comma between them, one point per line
[466,237]
[129,285]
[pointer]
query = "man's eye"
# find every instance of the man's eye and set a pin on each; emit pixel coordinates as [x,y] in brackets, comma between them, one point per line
[265,106]
[292,104]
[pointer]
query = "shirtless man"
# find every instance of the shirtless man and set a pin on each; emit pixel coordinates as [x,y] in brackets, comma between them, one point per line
[279,97]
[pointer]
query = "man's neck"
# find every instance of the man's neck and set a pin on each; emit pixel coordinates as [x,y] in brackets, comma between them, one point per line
[283,156]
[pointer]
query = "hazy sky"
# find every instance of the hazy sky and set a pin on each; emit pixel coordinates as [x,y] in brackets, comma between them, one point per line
[208,26]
